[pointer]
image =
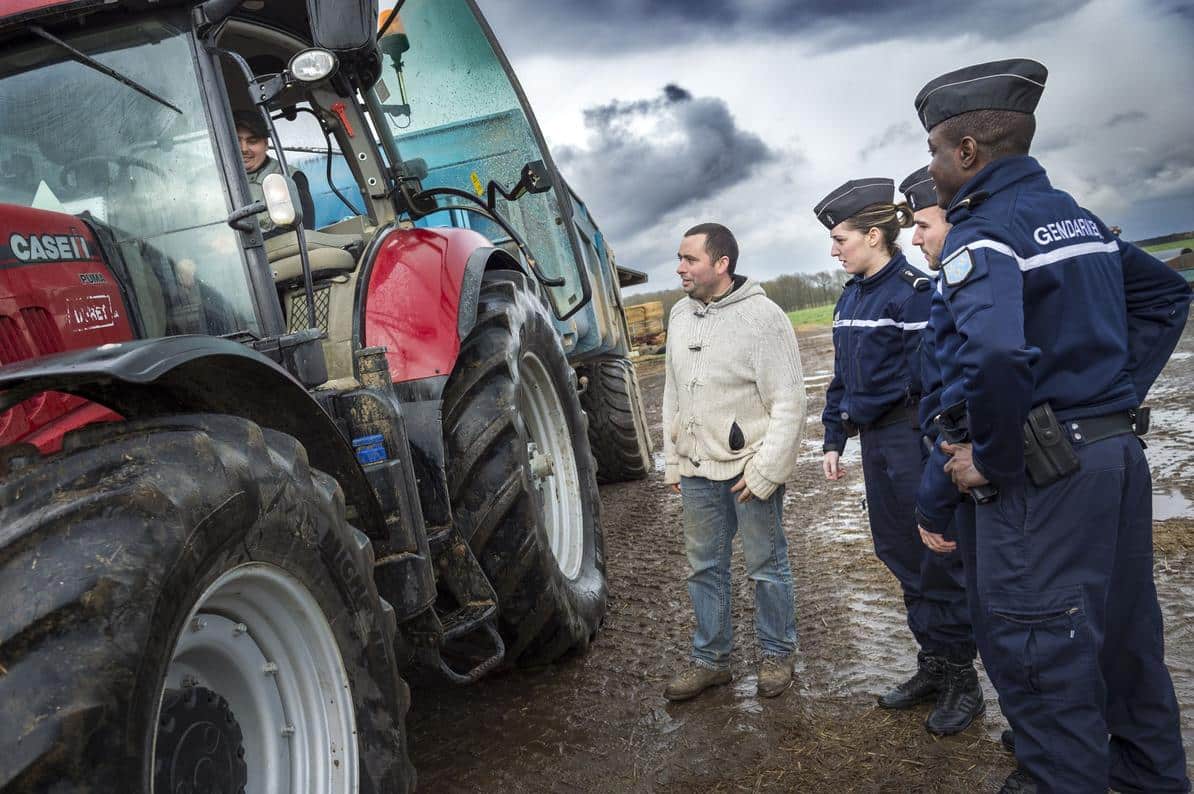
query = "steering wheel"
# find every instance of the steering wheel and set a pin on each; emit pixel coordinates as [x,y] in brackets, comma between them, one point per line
[124,161]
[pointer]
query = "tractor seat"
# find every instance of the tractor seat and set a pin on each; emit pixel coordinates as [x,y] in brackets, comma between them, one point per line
[329,253]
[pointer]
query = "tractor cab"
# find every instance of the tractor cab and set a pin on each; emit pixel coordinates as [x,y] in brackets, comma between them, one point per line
[124,122]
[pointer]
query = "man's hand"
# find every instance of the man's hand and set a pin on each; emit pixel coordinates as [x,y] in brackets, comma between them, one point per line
[831,464]
[742,490]
[676,487]
[960,467]
[936,541]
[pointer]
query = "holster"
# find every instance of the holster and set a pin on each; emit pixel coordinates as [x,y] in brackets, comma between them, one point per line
[850,428]
[1048,454]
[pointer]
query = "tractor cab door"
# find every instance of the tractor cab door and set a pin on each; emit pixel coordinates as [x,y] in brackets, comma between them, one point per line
[451,99]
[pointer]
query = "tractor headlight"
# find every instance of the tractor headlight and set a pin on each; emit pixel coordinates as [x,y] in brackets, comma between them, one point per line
[312,66]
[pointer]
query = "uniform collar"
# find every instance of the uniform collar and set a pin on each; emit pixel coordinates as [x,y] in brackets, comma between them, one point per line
[893,265]
[992,179]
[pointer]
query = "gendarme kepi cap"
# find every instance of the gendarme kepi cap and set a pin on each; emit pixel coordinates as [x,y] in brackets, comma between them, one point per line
[852,198]
[1014,84]
[919,190]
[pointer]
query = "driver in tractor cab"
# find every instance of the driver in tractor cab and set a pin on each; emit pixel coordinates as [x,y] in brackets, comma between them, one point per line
[253,137]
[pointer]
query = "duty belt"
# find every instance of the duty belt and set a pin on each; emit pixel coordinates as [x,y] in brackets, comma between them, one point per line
[893,416]
[1096,428]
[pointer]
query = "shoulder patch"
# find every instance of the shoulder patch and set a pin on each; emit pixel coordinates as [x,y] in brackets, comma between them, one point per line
[957,268]
[917,280]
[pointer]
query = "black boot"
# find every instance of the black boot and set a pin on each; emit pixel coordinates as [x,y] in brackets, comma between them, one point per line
[1019,782]
[960,701]
[1008,740]
[928,681]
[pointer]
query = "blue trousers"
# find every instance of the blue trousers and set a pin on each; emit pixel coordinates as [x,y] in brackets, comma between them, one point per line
[1074,638]
[933,584]
[712,516]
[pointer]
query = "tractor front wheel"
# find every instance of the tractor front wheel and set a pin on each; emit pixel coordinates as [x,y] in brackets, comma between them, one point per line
[521,475]
[187,608]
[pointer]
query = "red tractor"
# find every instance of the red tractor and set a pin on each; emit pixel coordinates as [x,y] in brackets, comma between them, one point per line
[251,470]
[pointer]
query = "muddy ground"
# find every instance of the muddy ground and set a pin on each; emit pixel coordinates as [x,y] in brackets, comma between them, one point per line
[599,723]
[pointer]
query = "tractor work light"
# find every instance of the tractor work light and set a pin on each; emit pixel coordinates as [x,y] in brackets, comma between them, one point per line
[280,201]
[313,65]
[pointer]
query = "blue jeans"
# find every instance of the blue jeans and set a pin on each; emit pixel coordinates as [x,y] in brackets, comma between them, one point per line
[712,516]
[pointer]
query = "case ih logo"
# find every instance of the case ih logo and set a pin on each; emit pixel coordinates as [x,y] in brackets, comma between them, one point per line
[49,247]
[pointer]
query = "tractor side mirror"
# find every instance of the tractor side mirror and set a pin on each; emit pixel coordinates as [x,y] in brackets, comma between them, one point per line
[282,200]
[533,179]
[411,174]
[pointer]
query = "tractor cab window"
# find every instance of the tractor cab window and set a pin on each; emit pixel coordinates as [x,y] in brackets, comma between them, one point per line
[318,164]
[449,100]
[141,168]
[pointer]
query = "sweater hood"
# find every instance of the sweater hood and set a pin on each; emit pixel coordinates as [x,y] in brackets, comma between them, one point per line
[744,290]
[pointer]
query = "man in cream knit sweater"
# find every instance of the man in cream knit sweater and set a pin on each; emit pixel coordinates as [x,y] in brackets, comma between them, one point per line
[733,411]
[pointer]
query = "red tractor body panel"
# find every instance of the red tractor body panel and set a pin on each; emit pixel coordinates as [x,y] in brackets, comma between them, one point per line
[412,300]
[56,294]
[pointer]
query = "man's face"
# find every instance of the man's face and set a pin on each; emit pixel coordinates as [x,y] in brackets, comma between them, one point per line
[700,276]
[252,148]
[931,228]
[945,167]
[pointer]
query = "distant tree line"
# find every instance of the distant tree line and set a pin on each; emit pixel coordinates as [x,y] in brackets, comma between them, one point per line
[793,291]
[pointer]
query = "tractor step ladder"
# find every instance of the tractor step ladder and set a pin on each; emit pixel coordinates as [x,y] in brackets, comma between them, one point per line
[458,570]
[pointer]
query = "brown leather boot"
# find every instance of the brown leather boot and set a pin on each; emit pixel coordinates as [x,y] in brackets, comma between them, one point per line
[693,681]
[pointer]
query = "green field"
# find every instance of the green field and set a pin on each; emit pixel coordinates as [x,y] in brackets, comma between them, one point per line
[1176,245]
[817,315]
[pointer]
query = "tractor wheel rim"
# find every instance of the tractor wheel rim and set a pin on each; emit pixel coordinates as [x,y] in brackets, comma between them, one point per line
[258,637]
[558,491]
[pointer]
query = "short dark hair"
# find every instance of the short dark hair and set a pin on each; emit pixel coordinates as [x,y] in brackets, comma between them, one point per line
[251,121]
[719,242]
[1003,133]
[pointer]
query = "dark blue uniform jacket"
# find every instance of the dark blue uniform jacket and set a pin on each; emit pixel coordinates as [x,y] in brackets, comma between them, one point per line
[877,327]
[1039,302]
[937,497]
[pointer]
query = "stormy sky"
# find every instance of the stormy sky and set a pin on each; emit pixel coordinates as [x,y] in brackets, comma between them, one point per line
[667,113]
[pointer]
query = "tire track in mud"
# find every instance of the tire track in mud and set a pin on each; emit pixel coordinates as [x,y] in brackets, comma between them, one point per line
[599,722]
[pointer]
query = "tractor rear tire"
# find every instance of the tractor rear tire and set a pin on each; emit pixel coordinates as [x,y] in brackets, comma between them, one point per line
[153,573]
[617,424]
[521,477]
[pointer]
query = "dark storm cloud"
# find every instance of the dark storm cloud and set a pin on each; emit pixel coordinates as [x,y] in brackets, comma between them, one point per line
[617,26]
[649,157]
[1126,117]
[897,134]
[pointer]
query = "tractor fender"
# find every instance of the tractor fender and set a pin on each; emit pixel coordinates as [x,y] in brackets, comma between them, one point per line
[417,296]
[200,374]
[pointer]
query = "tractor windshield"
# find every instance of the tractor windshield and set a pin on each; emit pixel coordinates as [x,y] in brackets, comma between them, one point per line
[78,141]
[450,100]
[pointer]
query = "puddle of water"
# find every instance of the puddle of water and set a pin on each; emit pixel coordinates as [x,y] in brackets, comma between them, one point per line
[1172,504]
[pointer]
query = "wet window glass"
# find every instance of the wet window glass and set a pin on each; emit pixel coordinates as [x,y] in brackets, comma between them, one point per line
[449,101]
[75,140]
